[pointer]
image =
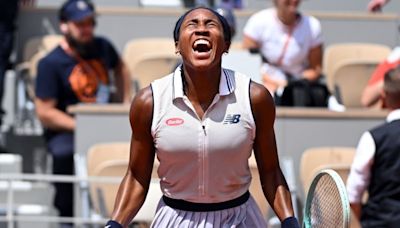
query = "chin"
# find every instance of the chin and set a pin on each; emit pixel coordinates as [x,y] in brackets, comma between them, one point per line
[205,64]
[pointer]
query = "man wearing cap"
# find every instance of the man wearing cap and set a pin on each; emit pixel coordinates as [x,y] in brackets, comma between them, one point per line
[79,70]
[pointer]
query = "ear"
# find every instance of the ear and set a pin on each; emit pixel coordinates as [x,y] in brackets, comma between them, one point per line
[64,27]
[227,46]
[383,96]
[177,51]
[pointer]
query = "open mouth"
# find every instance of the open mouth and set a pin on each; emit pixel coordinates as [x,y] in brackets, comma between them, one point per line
[202,46]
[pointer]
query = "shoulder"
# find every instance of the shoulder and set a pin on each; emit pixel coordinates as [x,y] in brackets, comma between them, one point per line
[55,60]
[262,102]
[104,44]
[165,79]
[386,128]
[142,106]
[144,98]
[264,13]
[102,40]
[261,17]
[54,56]
[236,77]
[312,22]
[232,73]
[259,95]
[163,84]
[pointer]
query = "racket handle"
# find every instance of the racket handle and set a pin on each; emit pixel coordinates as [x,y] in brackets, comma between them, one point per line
[290,222]
[113,224]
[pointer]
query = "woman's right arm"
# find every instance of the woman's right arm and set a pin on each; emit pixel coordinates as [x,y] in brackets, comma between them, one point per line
[133,189]
[249,43]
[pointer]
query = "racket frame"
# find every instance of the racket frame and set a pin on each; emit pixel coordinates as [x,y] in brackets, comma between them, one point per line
[342,192]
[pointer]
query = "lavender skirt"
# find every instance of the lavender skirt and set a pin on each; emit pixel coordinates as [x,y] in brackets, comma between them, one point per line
[245,215]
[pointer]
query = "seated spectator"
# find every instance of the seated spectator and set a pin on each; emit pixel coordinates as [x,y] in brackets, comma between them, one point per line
[76,71]
[376,164]
[371,94]
[289,42]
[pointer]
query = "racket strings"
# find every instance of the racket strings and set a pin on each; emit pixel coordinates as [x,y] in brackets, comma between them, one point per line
[326,206]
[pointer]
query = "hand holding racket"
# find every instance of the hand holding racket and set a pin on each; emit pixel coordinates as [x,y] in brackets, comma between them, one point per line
[327,204]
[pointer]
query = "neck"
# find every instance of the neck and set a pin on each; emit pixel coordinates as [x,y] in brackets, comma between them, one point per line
[201,85]
[391,100]
[286,18]
[67,48]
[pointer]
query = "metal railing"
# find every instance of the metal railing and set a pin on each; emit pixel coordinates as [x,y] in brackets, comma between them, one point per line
[78,221]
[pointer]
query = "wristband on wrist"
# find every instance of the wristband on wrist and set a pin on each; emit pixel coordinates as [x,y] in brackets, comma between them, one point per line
[290,222]
[113,224]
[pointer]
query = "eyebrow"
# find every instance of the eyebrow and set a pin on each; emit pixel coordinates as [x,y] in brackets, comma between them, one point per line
[207,20]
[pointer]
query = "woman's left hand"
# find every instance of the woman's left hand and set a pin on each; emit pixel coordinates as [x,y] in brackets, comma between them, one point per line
[311,75]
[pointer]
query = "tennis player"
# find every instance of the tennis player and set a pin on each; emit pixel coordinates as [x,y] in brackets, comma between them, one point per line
[202,122]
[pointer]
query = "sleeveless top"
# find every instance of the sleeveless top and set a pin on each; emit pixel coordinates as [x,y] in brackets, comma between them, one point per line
[203,160]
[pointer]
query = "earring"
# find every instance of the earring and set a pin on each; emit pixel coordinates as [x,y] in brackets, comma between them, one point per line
[64,28]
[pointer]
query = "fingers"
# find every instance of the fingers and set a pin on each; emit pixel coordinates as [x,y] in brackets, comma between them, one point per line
[376,5]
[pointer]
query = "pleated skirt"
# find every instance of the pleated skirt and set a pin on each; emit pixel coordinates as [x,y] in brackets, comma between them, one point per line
[243,216]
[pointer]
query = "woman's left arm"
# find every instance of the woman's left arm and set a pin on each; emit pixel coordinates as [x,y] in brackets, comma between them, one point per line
[313,72]
[272,180]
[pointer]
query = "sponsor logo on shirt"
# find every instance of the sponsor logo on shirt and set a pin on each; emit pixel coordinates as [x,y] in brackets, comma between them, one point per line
[175,121]
[85,78]
[232,119]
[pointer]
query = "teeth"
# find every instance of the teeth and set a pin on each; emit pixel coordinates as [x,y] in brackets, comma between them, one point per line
[198,42]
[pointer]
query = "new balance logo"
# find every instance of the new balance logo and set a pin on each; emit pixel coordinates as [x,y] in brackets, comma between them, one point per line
[232,119]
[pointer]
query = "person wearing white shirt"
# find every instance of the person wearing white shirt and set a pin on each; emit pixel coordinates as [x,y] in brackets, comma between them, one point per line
[376,165]
[289,42]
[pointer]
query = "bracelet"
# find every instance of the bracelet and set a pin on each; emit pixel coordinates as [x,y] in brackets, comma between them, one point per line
[113,224]
[290,222]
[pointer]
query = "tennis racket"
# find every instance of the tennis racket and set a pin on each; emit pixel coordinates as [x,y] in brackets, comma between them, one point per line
[327,204]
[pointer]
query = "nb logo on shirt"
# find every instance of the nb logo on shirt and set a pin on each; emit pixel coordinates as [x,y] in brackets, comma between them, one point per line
[232,119]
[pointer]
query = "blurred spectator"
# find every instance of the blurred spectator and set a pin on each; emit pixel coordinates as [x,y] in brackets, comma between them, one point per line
[290,44]
[376,165]
[231,4]
[8,16]
[194,3]
[371,94]
[376,5]
[227,13]
[76,71]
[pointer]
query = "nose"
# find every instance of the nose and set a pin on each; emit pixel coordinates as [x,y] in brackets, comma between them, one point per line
[202,30]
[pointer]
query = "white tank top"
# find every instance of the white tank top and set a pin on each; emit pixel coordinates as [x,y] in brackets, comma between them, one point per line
[203,160]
